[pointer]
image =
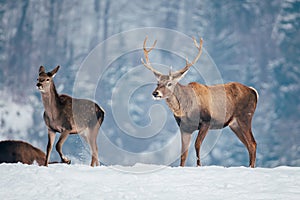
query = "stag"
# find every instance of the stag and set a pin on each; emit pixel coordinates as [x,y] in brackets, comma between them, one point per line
[68,115]
[13,151]
[200,107]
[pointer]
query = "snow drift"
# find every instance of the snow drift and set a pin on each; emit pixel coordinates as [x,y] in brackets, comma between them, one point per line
[59,181]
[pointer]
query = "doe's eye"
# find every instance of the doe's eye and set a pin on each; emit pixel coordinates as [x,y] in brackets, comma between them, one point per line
[47,79]
[169,84]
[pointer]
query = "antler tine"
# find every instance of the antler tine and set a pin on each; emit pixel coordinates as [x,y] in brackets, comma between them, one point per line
[199,47]
[189,64]
[146,51]
[144,45]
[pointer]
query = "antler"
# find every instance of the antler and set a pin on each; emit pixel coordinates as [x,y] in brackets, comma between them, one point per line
[189,64]
[146,51]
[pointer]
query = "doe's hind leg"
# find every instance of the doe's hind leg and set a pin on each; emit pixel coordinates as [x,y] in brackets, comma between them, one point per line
[92,140]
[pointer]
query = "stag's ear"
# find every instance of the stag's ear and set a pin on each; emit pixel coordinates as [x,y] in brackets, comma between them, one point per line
[54,71]
[42,69]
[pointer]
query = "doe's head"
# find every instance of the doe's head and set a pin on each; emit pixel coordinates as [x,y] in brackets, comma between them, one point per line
[45,79]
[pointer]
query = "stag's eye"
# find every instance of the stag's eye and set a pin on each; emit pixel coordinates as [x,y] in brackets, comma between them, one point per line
[47,79]
[169,84]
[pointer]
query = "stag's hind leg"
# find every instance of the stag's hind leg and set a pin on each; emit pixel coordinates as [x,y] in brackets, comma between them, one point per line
[59,144]
[244,133]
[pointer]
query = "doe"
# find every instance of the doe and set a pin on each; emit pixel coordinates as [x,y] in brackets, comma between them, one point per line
[68,115]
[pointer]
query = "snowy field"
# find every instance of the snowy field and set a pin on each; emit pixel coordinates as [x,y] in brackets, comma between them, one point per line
[141,181]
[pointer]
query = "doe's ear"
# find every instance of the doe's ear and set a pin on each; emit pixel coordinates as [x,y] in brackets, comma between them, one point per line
[42,69]
[54,71]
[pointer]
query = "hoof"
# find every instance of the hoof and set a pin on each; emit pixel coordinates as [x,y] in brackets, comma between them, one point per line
[65,160]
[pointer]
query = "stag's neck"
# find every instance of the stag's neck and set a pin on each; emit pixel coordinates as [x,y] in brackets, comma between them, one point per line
[179,101]
[51,102]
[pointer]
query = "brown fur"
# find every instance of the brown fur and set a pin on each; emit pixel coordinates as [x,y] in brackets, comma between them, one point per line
[17,151]
[68,115]
[200,107]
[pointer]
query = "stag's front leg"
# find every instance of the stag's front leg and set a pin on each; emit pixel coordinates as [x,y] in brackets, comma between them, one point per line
[185,144]
[60,142]
[201,135]
[51,138]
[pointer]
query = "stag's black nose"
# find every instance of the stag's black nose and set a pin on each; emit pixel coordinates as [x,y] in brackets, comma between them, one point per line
[38,84]
[155,93]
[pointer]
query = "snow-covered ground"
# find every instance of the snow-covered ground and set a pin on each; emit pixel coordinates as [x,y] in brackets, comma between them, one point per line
[59,181]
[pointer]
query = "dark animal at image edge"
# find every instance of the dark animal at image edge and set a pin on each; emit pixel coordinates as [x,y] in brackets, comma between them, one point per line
[200,107]
[68,115]
[12,151]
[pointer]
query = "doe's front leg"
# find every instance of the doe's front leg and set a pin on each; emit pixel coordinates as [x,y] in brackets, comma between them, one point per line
[51,138]
[60,142]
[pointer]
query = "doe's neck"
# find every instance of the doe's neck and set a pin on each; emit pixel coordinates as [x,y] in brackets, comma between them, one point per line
[51,100]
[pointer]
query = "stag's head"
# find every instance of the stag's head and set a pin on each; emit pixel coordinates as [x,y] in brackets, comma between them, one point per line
[167,83]
[45,79]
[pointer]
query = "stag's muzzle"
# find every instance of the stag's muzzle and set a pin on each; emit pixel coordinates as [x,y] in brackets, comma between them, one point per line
[156,95]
